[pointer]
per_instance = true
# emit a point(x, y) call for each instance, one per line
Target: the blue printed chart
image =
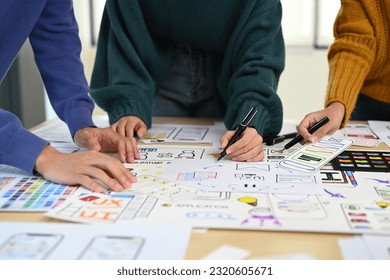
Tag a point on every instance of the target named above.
point(31, 194)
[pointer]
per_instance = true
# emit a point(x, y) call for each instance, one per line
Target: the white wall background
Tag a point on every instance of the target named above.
point(302, 84)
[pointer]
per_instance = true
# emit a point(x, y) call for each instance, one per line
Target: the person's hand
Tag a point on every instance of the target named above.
point(107, 140)
point(130, 126)
point(335, 112)
point(248, 148)
point(84, 168)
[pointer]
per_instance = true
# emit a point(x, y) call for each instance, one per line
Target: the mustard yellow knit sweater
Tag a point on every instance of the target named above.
point(359, 58)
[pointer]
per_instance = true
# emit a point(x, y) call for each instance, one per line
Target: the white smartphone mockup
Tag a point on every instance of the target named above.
point(113, 248)
point(29, 246)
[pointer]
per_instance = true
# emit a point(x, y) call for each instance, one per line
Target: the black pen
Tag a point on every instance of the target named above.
point(243, 125)
point(312, 129)
point(280, 138)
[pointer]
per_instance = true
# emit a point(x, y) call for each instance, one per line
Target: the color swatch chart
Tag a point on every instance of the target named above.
point(374, 161)
point(32, 194)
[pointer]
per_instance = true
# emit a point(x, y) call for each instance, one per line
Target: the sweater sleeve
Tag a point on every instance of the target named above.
point(57, 48)
point(255, 59)
point(52, 30)
point(350, 56)
point(18, 146)
point(128, 64)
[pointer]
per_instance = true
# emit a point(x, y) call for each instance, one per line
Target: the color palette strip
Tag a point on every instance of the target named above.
point(33, 194)
point(373, 161)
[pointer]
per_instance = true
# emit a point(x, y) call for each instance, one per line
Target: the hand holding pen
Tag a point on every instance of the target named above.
point(312, 129)
point(336, 113)
point(239, 132)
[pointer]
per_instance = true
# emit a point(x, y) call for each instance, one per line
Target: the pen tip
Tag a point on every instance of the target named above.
point(220, 157)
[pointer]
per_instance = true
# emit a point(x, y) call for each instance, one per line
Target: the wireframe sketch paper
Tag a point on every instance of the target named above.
point(52, 241)
point(57, 131)
point(176, 133)
point(243, 177)
point(54, 131)
point(358, 131)
point(356, 202)
point(197, 167)
point(236, 195)
point(382, 129)
point(89, 207)
point(361, 134)
point(366, 247)
point(170, 153)
point(313, 156)
point(164, 189)
point(148, 167)
point(160, 133)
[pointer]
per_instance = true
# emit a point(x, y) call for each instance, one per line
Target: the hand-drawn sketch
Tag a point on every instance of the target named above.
point(338, 209)
point(358, 130)
point(312, 156)
point(252, 177)
point(64, 241)
point(29, 246)
point(164, 189)
point(160, 133)
point(168, 153)
point(186, 185)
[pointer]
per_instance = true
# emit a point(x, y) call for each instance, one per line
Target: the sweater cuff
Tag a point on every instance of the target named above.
point(135, 108)
point(346, 77)
point(23, 150)
point(125, 100)
point(78, 118)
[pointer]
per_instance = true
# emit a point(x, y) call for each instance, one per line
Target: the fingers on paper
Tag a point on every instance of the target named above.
point(108, 171)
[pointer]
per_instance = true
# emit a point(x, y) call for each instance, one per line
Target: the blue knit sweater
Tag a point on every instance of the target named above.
point(53, 32)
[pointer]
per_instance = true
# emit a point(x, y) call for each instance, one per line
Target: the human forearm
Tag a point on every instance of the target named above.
point(19, 147)
point(57, 48)
point(258, 61)
point(351, 55)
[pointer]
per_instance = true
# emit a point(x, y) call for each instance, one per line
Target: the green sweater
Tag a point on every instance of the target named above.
point(135, 51)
